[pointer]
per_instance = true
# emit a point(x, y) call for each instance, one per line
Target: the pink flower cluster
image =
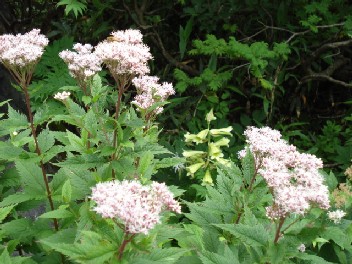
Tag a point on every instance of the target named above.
point(20, 51)
point(82, 63)
point(137, 206)
point(125, 54)
point(293, 177)
point(149, 92)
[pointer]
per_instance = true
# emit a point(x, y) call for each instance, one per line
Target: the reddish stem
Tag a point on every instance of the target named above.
point(125, 241)
point(38, 151)
point(277, 235)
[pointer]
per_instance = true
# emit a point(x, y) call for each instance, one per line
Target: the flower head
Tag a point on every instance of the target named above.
point(137, 206)
point(62, 96)
point(293, 177)
point(149, 92)
point(336, 216)
point(21, 53)
point(22, 50)
point(125, 54)
point(82, 62)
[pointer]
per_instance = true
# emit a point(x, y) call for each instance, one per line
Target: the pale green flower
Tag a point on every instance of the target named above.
point(221, 131)
point(192, 169)
point(222, 142)
point(207, 180)
point(192, 153)
point(210, 116)
point(223, 161)
point(199, 138)
point(214, 151)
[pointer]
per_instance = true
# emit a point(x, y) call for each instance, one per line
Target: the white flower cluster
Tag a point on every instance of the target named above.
point(125, 54)
point(62, 96)
point(137, 206)
point(149, 92)
point(336, 216)
point(20, 51)
point(293, 177)
point(82, 63)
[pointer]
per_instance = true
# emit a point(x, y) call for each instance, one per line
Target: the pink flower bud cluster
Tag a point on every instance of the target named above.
point(137, 206)
point(124, 53)
point(20, 51)
point(149, 92)
point(82, 63)
point(293, 177)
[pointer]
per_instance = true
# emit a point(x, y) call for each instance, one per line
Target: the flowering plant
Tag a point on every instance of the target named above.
point(94, 176)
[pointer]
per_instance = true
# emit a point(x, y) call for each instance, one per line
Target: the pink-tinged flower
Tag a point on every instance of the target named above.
point(149, 92)
point(124, 53)
point(137, 206)
point(336, 216)
point(292, 177)
point(20, 53)
point(82, 63)
point(62, 96)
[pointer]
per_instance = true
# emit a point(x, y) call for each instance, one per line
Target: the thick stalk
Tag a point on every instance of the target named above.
point(125, 241)
point(277, 235)
point(38, 151)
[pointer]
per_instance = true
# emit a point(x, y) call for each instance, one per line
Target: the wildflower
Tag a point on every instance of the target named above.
point(293, 177)
point(125, 56)
point(149, 92)
point(207, 180)
point(82, 62)
point(301, 248)
point(137, 206)
point(20, 53)
point(62, 96)
point(15, 133)
point(210, 116)
point(336, 216)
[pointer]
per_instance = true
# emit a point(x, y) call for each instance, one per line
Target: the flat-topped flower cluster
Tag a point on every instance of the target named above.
point(292, 177)
point(137, 206)
point(123, 53)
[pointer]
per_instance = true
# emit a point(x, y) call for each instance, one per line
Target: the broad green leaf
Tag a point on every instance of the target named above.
point(5, 258)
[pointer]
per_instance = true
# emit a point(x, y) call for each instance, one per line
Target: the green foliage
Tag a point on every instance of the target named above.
point(75, 6)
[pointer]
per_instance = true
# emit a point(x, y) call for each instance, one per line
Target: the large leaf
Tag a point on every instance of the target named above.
point(31, 177)
point(161, 256)
point(255, 236)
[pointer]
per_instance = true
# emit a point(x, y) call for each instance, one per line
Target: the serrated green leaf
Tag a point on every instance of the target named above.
point(31, 177)
point(4, 211)
point(161, 256)
point(255, 236)
point(16, 199)
point(5, 258)
point(59, 213)
point(46, 140)
point(9, 151)
point(66, 192)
